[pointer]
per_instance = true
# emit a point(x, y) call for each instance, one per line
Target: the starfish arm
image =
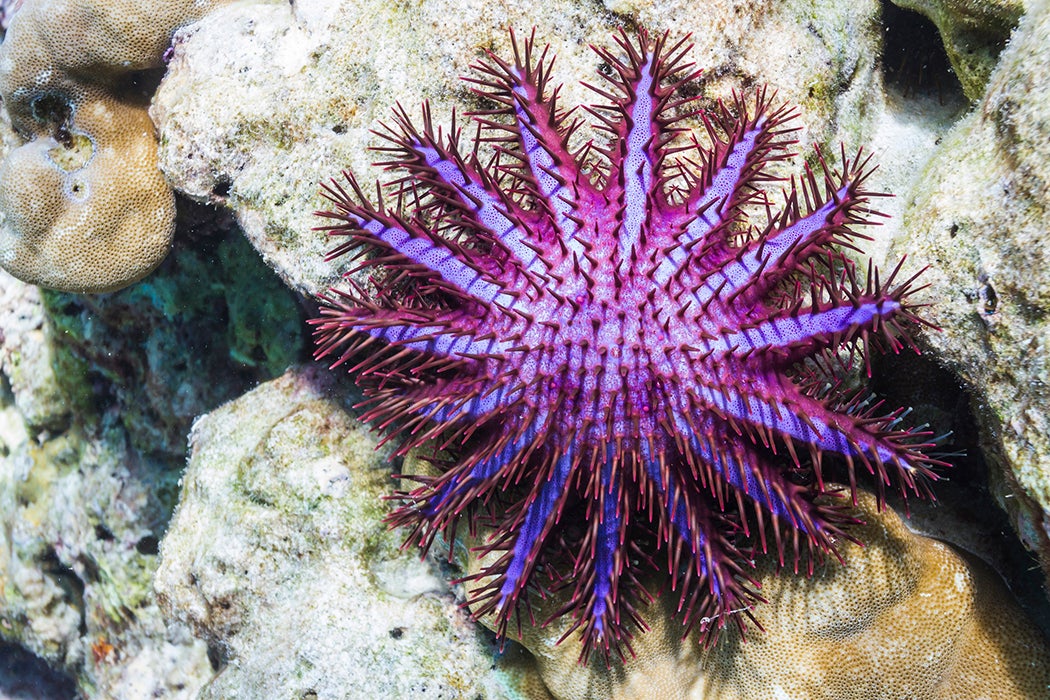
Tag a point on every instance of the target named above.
point(348, 324)
point(540, 133)
point(459, 486)
point(462, 186)
point(712, 586)
point(407, 244)
point(781, 409)
point(732, 166)
point(510, 574)
point(637, 163)
point(640, 117)
point(801, 231)
point(602, 598)
point(809, 329)
point(769, 490)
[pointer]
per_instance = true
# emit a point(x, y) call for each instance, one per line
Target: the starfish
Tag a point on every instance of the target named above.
point(630, 373)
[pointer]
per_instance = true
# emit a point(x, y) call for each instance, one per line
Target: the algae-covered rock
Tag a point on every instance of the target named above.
point(96, 398)
point(263, 101)
point(211, 322)
point(277, 555)
point(980, 220)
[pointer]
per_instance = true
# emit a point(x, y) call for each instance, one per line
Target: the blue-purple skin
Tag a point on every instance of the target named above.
point(620, 361)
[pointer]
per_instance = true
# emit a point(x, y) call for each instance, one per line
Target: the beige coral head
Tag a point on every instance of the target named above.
point(86, 210)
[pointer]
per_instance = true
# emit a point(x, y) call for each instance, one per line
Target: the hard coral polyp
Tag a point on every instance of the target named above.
point(630, 374)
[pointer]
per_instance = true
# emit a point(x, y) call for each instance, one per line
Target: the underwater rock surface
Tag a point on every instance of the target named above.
point(979, 218)
point(96, 398)
point(79, 524)
point(278, 557)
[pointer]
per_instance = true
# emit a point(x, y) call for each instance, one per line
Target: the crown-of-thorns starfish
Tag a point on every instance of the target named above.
point(629, 373)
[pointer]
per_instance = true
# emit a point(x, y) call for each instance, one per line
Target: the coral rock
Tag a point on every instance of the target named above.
point(973, 32)
point(69, 225)
point(277, 555)
point(979, 215)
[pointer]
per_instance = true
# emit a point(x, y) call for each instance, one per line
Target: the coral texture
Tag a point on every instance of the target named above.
point(84, 207)
point(278, 555)
point(622, 360)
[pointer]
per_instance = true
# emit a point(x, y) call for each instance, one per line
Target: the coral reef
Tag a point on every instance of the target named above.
point(79, 530)
point(84, 207)
point(262, 100)
point(979, 216)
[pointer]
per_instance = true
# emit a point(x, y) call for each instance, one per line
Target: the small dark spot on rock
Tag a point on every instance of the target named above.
point(990, 299)
point(102, 532)
point(222, 187)
point(148, 545)
point(952, 230)
point(339, 128)
point(397, 633)
point(216, 657)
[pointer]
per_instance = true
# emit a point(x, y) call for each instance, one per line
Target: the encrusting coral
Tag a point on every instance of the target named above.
point(84, 206)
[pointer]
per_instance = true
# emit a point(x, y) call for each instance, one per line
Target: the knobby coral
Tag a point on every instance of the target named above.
point(83, 206)
point(629, 371)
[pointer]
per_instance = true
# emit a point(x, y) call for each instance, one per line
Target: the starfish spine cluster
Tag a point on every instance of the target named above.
point(630, 372)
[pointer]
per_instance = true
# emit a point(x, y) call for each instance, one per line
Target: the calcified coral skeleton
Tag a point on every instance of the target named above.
point(629, 373)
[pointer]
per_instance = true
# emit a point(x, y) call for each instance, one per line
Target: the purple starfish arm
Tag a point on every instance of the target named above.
point(451, 494)
point(690, 527)
point(486, 205)
point(637, 165)
point(767, 256)
point(606, 548)
point(800, 418)
point(510, 573)
point(409, 243)
point(733, 165)
point(520, 89)
point(803, 328)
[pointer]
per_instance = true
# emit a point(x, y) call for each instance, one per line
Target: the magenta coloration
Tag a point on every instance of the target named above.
point(630, 373)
